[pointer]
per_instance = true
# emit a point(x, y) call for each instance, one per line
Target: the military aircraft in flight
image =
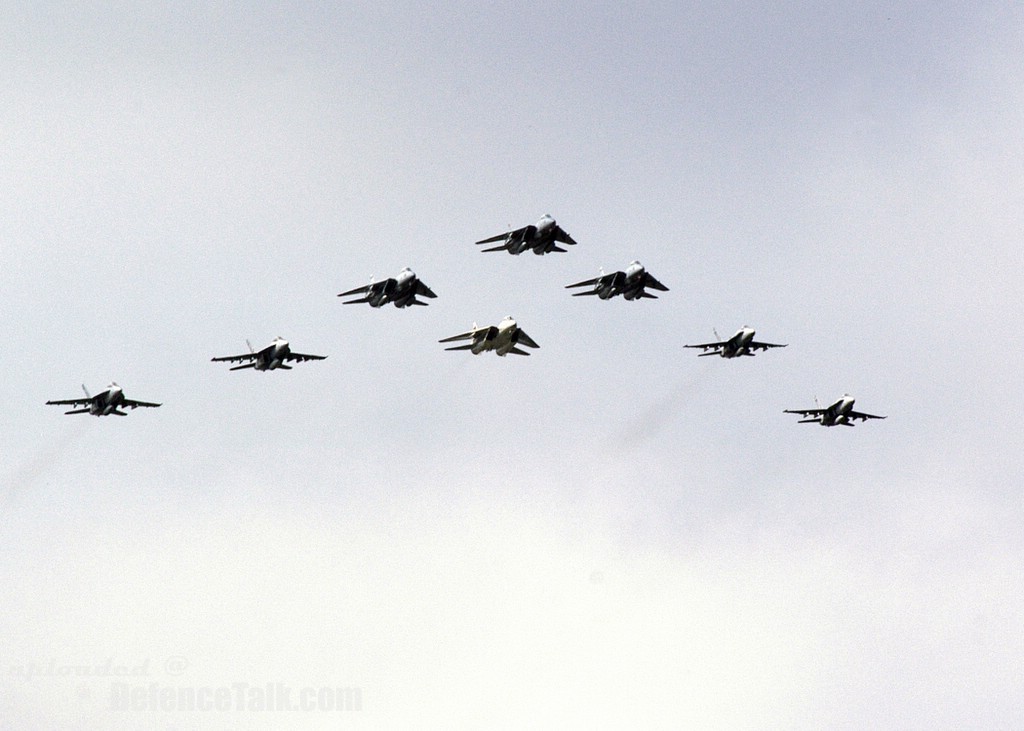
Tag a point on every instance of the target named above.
point(401, 291)
point(742, 343)
point(276, 355)
point(841, 412)
point(111, 401)
point(503, 338)
point(543, 237)
point(630, 284)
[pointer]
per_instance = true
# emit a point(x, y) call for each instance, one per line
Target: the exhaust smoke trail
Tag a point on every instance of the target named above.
point(33, 470)
point(653, 420)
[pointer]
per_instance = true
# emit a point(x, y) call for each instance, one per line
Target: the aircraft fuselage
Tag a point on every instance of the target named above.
point(107, 402)
point(400, 290)
point(738, 344)
point(272, 357)
point(540, 237)
point(403, 289)
point(500, 338)
point(632, 285)
point(838, 413)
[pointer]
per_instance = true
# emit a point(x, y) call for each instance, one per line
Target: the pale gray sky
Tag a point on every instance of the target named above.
point(610, 533)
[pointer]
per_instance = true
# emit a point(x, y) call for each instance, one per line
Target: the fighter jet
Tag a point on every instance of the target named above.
point(542, 238)
point(630, 284)
point(742, 343)
point(275, 355)
point(110, 401)
point(502, 338)
point(401, 291)
point(841, 412)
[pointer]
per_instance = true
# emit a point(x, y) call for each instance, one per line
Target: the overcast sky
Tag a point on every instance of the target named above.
point(610, 533)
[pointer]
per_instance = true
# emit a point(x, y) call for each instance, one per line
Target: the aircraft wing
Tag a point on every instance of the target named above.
point(754, 345)
point(136, 404)
point(423, 290)
point(561, 236)
point(526, 340)
point(653, 283)
point(603, 279)
point(301, 357)
point(707, 346)
point(503, 237)
point(805, 412)
point(863, 416)
point(357, 290)
point(234, 358)
point(70, 402)
point(463, 336)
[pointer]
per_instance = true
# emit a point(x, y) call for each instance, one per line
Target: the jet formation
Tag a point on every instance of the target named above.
point(506, 337)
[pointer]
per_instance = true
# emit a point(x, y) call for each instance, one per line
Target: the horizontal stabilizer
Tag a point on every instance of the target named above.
point(496, 248)
point(585, 294)
point(238, 368)
point(517, 351)
point(356, 302)
point(556, 248)
point(713, 352)
point(461, 347)
point(119, 413)
point(77, 411)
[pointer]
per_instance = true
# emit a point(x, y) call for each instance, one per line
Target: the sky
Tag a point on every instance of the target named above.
point(611, 533)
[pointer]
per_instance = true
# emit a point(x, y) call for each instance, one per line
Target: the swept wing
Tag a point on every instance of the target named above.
point(423, 290)
point(523, 339)
point(653, 283)
point(708, 346)
point(301, 357)
point(133, 404)
point(805, 412)
point(470, 335)
point(235, 358)
point(503, 237)
point(754, 345)
point(357, 290)
point(561, 236)
point(602, 280)
point(862, 416)
point(70, 402)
